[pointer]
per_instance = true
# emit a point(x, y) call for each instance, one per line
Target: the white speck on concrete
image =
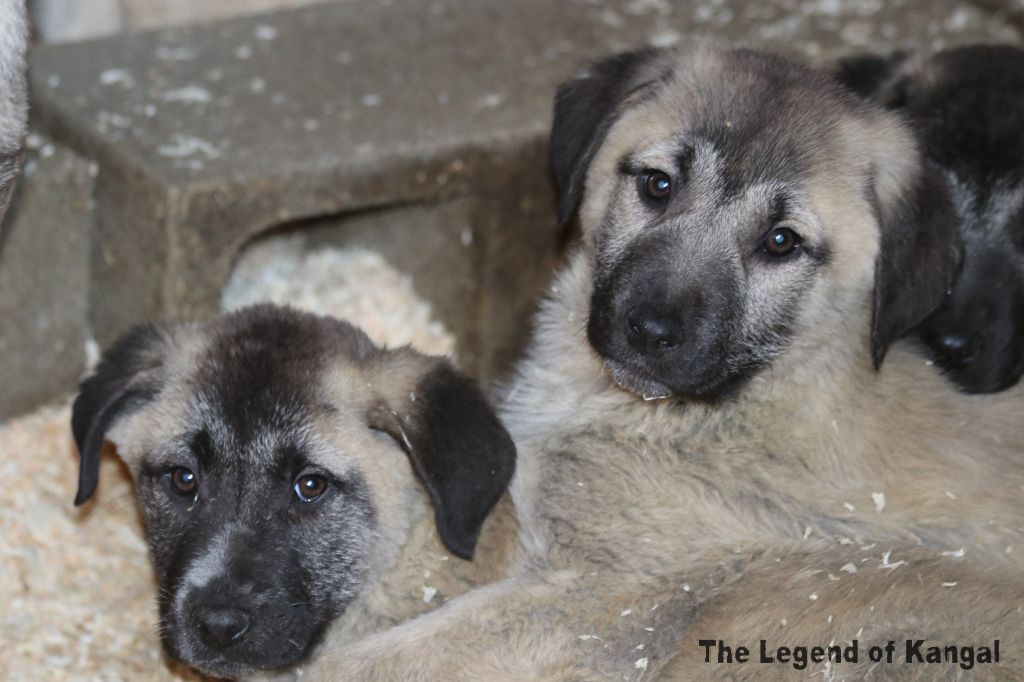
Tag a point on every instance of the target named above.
point(949, 584)
point(491, 100)
point(116, 76)
point(105, 120)
point(189, 93)
point(428, 594)
point(666, 38)
point(371, 100)
point(626, 613)
point(950, 495)
point(53, 80)
point(175, 54)
point(182, 145)
point(641, 7)
point(243, 51)
point(879, 500)
point(265, 32)
point(956, 554)
point(849, 507)
point(258, 85)
point(610, 17)
point(849, 568)
point(641, 663)
point(466, 236)
point(814, 596)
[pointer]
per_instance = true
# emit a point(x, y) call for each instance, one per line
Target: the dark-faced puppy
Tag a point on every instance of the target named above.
point(967, 106)
point(271, 450)
point(713, 241)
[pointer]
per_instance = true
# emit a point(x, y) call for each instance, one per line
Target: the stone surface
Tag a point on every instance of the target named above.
point(44, 249)
point(208, 136)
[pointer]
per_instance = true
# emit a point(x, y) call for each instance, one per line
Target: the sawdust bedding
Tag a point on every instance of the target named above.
point(76, 588)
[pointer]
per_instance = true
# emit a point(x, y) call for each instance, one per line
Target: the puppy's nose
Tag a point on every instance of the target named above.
point(650, 331)
point(219, 626)
point(955, 347)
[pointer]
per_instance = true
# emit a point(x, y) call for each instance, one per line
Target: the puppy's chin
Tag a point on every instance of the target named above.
point(636, 382)
point(641, 382)
point(225, 667)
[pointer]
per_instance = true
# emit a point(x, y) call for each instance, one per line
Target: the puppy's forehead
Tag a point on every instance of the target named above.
point(261, 370)
point(764, 118)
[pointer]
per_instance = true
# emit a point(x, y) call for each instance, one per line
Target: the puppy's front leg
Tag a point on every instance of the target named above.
point(550, 626)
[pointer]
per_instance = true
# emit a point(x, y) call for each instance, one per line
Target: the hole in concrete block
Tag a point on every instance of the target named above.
point(406, 274)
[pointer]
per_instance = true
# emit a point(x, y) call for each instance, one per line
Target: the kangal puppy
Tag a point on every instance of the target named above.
point(276, 456)
point(967, 108)
point(712, 435)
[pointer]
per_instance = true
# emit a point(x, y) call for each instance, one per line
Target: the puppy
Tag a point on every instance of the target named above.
point(13, 96)
point(967, 106)
point(286, 468)
point(715, 429)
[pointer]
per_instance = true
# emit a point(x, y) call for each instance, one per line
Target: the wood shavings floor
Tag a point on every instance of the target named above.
point(76, 585)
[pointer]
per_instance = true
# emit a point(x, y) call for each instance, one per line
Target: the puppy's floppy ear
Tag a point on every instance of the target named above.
point(875, 77)
point(459, 449)
point(585, 108)
point(123, 381)
point(918, 259)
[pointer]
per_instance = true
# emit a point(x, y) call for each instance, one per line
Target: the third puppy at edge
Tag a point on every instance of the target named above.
point(734, 448)
point(967, 107)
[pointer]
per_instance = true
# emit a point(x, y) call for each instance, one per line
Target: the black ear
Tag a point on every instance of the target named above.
point(121, 383)
point(875, 77)
point(459, 449)
point(918, 260)
point(585, 109)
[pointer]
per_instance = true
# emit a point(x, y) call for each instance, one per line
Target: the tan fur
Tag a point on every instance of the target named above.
point(650, 524)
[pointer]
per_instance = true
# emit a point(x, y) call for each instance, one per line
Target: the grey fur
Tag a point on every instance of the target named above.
point(13, 96)
point(816, 496)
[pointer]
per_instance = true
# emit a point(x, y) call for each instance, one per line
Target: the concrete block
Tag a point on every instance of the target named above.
point(44, 277)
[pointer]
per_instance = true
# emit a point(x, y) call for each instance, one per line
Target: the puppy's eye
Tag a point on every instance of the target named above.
point(310, 487)
point(781, 241)
point(655, 186)
point(184, 481)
